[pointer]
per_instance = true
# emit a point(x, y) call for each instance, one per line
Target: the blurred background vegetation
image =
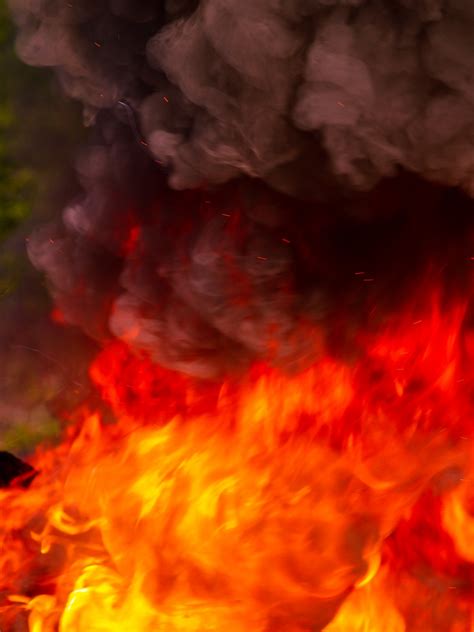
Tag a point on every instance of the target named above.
point(17, 180)
point(40, 130)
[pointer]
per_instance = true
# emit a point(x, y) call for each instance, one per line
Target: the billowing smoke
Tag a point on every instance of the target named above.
point(266, 88)
point(282, 124)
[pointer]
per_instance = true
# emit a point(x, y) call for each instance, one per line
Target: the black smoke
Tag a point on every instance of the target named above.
point(247, 159)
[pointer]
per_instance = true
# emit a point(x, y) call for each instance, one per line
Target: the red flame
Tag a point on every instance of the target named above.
point(338, 499)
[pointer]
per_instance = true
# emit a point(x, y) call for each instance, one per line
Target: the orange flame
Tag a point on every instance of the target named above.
point(338, 499)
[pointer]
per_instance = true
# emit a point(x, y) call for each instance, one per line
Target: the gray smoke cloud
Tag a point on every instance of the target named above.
point(203, 281)
point(200, 112)
point(266, 88)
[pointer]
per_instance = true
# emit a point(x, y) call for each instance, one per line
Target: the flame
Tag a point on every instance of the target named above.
point(458, 515)
point(335, 499)
point(369, 609)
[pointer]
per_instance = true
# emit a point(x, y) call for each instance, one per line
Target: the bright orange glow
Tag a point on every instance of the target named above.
point(458, 515)
point(338, 499)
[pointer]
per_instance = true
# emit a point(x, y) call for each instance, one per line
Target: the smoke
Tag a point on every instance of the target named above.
point(357, 88)
point(208, 280)
point(203, 280)
point(237, 150)
point(44, 364)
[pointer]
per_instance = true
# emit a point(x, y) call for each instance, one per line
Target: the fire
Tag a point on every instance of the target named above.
point(337, 499)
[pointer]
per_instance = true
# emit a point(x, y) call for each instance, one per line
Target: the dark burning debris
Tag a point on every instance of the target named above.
point(13, 470)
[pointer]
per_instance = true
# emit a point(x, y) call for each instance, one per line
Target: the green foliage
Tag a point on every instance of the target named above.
point(17, 182)
point(31, 116)
point(12, 267)
point(39, 132)
point(21, 437)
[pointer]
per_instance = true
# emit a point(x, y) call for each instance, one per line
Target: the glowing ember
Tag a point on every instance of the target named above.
point(339, 499)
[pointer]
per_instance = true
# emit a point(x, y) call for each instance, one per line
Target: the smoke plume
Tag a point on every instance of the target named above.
point(353, 88)
point(304, 132)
